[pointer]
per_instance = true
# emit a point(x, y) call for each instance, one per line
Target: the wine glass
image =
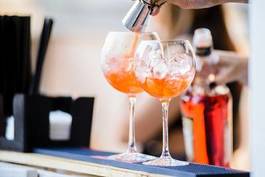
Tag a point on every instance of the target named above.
point(165, 69)
point(118, 64)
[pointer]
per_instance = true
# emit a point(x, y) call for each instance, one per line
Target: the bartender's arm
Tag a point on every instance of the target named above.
point(194, 4)
point(197, 4)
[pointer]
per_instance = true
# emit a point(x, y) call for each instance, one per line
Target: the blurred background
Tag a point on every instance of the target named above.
point(72, 65)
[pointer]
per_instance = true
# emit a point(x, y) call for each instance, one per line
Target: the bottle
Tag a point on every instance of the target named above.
point(207, 109)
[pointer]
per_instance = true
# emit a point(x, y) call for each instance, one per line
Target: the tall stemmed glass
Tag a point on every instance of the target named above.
point(118, 66)
point(165, 70)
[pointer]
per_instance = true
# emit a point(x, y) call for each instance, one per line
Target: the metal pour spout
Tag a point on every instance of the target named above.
point(137, 17)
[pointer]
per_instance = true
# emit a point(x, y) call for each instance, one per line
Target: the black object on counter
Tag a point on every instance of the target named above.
point(15, 59)
point(32, 122)
point(22, 100)
point(44, 41)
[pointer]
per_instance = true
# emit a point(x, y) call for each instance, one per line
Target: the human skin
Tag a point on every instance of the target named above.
point(197, 4)
point(232, 67)
point(194, 4)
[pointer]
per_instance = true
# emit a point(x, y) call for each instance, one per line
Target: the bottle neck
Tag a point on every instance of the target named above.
point(206, 70)
point(203, 57)
point(204, 51)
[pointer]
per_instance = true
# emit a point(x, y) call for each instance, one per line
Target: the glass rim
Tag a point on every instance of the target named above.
point(130, 32)
point(168, 41)
point(174, 40)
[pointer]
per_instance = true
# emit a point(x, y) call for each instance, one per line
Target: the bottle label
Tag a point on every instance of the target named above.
point(188, 137)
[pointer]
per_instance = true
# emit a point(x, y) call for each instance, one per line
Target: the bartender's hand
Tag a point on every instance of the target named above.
point(231, 67)
point(198, 4)
point(195, 4)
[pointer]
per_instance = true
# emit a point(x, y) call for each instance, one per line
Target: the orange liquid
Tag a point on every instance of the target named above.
point(200, 149)
point(123, 79)
point(121, 75)
point(165, 88)
point(210, 117)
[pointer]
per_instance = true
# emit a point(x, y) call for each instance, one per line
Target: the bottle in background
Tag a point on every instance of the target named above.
point(207, 109)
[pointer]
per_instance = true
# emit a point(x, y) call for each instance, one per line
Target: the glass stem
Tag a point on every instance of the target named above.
point(165, 150)
point(131, 143)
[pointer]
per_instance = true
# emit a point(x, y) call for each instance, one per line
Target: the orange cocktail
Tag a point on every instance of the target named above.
point(166, 88)
point(118, 66)
point(122, 75)
point(165, 70)
point(119, 69)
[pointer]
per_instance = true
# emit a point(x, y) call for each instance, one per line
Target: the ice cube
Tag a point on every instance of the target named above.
point(160, 70)
point(142, 70)
point(154, 58)
point(180, 65)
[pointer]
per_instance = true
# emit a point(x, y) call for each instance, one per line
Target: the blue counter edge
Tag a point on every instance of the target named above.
point(192, 170)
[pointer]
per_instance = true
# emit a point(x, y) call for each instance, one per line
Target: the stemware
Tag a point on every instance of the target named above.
point(164, 70)
point(118, 66)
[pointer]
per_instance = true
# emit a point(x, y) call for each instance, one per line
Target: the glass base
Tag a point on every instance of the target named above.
point(166, 161)
point(133, 157)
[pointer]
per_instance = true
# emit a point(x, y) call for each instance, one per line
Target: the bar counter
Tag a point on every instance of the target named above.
point(86, 162)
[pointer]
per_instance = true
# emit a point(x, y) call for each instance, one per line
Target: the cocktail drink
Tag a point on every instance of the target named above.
point(165, 70)
point(118, 66)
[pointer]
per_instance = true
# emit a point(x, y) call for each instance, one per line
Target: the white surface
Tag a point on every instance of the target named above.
point(14, 170)
point(10, 128)
point(8, 171)
point(257, 86)
point(60, 125)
